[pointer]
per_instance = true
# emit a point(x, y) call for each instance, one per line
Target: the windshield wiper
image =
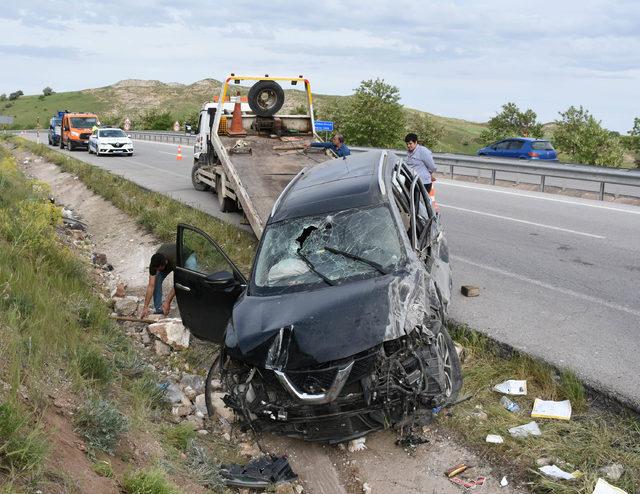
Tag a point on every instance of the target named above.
point(313, 268)
point(378, 267)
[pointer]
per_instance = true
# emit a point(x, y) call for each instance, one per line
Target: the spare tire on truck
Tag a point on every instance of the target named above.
point(266, 98)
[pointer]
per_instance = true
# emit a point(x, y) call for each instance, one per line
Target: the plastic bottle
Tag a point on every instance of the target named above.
point(510, 405)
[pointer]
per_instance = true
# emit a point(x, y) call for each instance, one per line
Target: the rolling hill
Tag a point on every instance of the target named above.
point(132, 98)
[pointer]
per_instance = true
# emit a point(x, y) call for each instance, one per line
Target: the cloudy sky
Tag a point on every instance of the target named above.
point(453, 58)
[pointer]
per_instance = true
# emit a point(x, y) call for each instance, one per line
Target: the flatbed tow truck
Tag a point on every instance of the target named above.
point(249, 172)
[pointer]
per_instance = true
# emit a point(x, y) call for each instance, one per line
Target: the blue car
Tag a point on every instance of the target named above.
point(524, 148)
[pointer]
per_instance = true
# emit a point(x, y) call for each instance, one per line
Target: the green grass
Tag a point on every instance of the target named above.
point(93, 366)
point(179, 436)
point(27, 109)
point(593, 438)
point(103, 468)
point(152, 211)
point(22, 446)
point(147, 482)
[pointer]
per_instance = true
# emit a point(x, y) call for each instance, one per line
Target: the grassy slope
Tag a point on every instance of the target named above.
point(133, 98)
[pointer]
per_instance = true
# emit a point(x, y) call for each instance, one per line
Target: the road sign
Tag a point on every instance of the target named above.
point(6, 120)
point(127, 124)
point(176, 126)
point(323, 126)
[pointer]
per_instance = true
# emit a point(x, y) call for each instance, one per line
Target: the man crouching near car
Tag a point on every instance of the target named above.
point(161, 264)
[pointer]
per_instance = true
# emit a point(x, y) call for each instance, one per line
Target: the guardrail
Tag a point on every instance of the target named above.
point(544, 170)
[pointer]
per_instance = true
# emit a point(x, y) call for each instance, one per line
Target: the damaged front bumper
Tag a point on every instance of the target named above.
point(395, 383)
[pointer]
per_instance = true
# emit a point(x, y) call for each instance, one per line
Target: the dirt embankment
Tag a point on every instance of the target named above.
point(383, 467)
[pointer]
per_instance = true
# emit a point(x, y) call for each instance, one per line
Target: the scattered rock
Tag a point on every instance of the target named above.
point(126, 306)
point(357, 445)
point(197, 422)
point(194, 382)
point(226, 436)
point(120, 290)
point(541, 462)
point(203, 432)
point(181, 410)
point(99, 259)
point(173, 393)
point(216, 385)
point(162, 349)
point(145, 338)
point(172, 332)
point(299, 489)
point(613, 471)
point(285, 489)
point(201, 404)
point(219, 407)
point(189, 392)
point(459, 351)
point(366, 488)
point(248, 449)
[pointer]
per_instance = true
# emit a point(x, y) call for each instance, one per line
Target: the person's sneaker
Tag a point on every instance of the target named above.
point(158, 311)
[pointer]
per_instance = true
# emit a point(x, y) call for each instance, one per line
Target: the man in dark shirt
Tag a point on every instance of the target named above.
point(162, 263)
point(336, 145)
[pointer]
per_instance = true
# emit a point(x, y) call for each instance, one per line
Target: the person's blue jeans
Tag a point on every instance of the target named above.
point(157, 292)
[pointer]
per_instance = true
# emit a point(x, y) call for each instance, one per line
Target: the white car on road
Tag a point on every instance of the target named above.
point(110, 140)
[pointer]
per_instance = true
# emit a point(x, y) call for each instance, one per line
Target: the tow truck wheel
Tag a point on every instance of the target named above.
point(266, 98)
point(197, 184)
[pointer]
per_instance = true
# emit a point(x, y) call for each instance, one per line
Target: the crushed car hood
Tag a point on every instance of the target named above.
point(327, 324)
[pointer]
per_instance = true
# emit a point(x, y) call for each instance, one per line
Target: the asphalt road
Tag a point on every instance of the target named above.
point(559, 276)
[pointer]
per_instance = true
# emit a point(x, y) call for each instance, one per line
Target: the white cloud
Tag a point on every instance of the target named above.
point(452, 57)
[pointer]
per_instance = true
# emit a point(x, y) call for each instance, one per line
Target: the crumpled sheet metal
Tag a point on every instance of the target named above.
point(259, 473)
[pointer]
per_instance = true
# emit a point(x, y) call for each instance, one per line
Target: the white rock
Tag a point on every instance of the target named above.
point(173, 393)
point(126, 306)
point(504, 482)
point(162, 349)
point(201, 405)
point(193, 381)
point(172, 332)
point(197, 422)
point(613, 471)
point(366, 488)
point(191, 394)
point(203, 432)
point(220, 408)
point(181, 410)
point(357, 445)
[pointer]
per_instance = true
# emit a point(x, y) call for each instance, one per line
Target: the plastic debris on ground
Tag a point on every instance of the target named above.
point(551, 409)
point(410, 441)
point(468, 484)
point(511, 387)
point(357, 445)
point(530, 429)
point(455, 470)
point(509, 405)
point(604, 487)
point(556, 472)
point(259, 473)
point(504, 482)
point(494, 438)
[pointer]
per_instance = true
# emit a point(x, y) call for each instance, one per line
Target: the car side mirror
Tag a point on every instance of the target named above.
point(221, 278)
point(129, 136)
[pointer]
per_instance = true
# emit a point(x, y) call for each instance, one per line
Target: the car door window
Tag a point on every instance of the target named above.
point(515, 145)
point(501, 146)
point(198, 254)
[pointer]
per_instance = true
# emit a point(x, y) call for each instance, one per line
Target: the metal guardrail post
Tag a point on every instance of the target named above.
point(542, 177)
point(601, 195)
point(451, 172)
point(493, 177)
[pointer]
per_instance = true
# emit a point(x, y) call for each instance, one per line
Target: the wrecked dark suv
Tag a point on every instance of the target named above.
point(340, 329)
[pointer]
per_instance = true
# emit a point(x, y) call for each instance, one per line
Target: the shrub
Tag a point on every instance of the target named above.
point(15, 95)
point(101, 424)
point(511, 122)
point(93, 366)
point(179, 436)
point(156, 120)
point(47, 91)
point(147, 482)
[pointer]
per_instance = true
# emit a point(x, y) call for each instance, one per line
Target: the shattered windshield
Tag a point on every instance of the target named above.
point(328, 249)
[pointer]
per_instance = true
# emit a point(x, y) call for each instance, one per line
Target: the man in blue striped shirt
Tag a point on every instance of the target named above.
point(336, 145)
point(420, 160)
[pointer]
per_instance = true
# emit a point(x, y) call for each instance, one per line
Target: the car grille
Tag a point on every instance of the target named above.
point(117, 144)
point(85, 135)
point(320, 380)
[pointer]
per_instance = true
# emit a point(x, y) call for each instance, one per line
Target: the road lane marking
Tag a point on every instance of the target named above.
point(171, 154)
point(542, 198)
point(129, 160)
point(508, 218)
point(542, 284)
point(174, 144)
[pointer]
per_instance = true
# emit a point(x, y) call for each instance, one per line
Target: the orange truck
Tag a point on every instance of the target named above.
point(76, 129)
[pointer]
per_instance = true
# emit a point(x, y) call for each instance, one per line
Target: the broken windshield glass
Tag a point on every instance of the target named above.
point(329, 248)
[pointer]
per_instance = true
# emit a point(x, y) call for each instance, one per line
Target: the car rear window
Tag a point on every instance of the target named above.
point(545, 145)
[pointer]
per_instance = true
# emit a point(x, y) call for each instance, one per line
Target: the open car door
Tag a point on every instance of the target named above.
point(207, 284)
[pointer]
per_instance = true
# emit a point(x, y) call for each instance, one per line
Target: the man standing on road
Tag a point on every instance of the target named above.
point(336, 145)
point(420, 160)
point(162, 263)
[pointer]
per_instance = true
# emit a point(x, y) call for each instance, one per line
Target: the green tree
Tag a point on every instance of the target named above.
point(156, 120)
point(511, 122)
point(373, 116)
point(582, 139)
point(424, 126)
point(3, 97)
point(15, 95)
point(47, 91)
point(633, 140)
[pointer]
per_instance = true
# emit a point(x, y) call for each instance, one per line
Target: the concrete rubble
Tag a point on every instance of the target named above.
point(172, 332)
point(126, 306)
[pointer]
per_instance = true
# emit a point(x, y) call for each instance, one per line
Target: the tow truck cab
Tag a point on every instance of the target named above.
point(76, 130)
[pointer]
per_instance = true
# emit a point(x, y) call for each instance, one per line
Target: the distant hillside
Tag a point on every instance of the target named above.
point(132, 98)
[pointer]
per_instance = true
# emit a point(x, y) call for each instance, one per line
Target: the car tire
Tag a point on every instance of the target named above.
point(197, 184)
point(266, 98)
point(71, 146)
point(227, 205)
point(451, 363)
